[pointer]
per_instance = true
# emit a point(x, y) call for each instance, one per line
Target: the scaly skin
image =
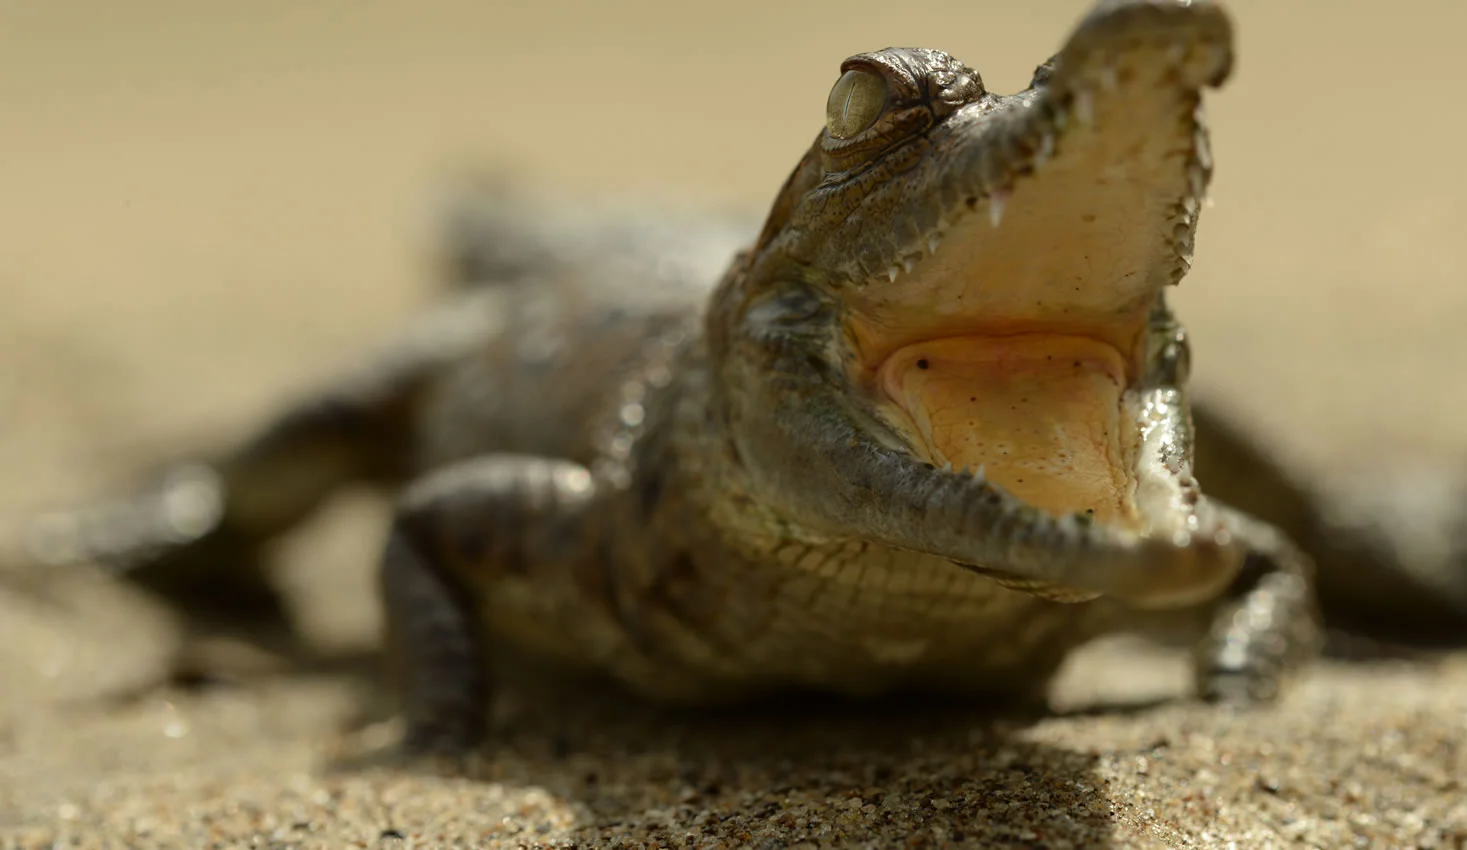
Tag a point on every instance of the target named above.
point(713, 494)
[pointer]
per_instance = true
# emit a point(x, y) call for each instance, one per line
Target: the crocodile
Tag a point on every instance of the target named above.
point(927, 428)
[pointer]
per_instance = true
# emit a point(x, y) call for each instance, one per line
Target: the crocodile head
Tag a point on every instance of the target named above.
point(983, 274)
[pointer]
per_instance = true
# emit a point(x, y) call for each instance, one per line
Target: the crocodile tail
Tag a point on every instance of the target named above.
point(1391, 546)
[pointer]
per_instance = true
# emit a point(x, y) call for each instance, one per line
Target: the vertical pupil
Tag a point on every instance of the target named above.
point(854, 103)
point(845, 112)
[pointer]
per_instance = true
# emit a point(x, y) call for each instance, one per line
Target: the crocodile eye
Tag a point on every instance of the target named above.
point(855, 103)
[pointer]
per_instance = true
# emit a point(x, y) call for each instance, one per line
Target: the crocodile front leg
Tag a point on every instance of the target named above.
point(506, 529)
point(1267, 626)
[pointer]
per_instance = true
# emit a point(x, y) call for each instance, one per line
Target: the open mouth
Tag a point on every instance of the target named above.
point(1014, 339)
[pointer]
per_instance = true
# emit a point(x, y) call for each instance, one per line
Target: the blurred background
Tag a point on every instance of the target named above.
point(203, 206)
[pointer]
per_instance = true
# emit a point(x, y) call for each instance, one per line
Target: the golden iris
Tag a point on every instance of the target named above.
point(855, 103)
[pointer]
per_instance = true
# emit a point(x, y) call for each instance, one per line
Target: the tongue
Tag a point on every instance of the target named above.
point(1041, 414)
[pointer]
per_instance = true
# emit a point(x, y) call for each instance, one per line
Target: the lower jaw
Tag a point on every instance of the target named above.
point(1042, 414)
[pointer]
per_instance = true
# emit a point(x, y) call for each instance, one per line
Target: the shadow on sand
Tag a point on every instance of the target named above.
point(803, 769)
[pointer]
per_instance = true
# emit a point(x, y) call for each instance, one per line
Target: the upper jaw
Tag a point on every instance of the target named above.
point(1068, 206)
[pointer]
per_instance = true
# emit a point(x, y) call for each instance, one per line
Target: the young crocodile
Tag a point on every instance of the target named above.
point(930, 430)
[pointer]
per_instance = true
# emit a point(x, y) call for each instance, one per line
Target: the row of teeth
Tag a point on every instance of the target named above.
point(996, 201)
point(977, 474)
point(1083, 106)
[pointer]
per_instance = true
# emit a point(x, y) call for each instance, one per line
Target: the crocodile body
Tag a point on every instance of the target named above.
point(715, 467)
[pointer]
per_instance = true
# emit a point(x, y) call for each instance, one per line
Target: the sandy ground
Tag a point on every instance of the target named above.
point(204, 210)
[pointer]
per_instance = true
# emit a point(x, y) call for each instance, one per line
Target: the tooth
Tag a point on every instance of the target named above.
point(932, 243)
point(979, 473)
point(892, 273)
point(1046, 149)
point(1196, 181)
point(1108, 78)
point(1183, 245)
point(908, 263)
point(1084, 107)
point(1190, 205)
point(1203, 149)
point(947, 466)
point(995, 206)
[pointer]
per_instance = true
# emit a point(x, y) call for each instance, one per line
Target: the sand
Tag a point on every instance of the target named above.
point(206, 210)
